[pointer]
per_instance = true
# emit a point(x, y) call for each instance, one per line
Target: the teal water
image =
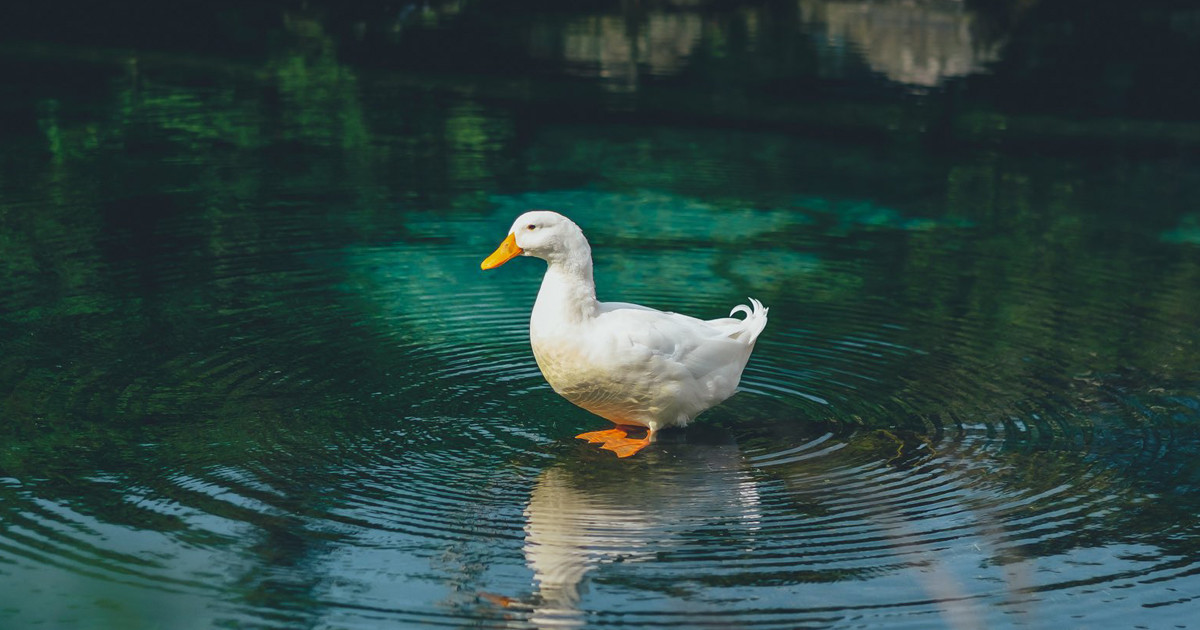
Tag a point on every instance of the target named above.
point(252, 376)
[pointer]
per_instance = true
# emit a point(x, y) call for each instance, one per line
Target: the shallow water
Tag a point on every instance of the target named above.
point(252, 376)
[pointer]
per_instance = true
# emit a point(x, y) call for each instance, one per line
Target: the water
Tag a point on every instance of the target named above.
point(252, 376)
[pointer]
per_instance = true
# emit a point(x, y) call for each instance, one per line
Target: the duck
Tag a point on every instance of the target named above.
point(642, 369)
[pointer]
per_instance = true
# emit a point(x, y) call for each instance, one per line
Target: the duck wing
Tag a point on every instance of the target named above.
point(700, 361)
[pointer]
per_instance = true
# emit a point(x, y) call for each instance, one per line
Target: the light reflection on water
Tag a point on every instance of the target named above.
point(917, 44)
point(252, 375)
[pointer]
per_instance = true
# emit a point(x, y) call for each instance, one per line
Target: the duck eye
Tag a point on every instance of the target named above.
point(531, 227)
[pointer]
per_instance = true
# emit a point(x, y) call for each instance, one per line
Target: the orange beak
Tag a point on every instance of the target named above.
point(506, 252)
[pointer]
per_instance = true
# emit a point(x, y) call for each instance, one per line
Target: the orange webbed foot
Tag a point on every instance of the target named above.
point(626, 447)
point(618, 441)
point(604, 436)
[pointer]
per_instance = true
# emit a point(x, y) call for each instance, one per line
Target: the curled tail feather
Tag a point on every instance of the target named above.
point(755, 320)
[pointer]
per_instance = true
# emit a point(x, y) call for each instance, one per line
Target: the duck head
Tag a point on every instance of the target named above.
point(542, 234)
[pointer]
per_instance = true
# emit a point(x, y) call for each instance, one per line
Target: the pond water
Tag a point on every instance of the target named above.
point(252, 376)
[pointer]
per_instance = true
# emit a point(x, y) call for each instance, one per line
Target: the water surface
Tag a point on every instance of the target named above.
point(252, 376)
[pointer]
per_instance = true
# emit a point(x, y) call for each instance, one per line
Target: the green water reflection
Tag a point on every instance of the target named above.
point(250, 374)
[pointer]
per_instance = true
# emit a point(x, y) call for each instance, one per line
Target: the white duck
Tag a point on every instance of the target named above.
point(631, 364)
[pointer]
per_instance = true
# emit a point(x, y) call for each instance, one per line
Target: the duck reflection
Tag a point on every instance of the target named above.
point(584, 513)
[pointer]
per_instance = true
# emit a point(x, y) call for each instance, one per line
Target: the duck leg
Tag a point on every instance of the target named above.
point(618, 441)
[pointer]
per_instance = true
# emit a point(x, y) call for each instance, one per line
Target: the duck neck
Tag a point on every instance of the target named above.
point(568, 293)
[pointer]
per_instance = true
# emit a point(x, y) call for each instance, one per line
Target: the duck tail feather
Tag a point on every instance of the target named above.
point(755, 320)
